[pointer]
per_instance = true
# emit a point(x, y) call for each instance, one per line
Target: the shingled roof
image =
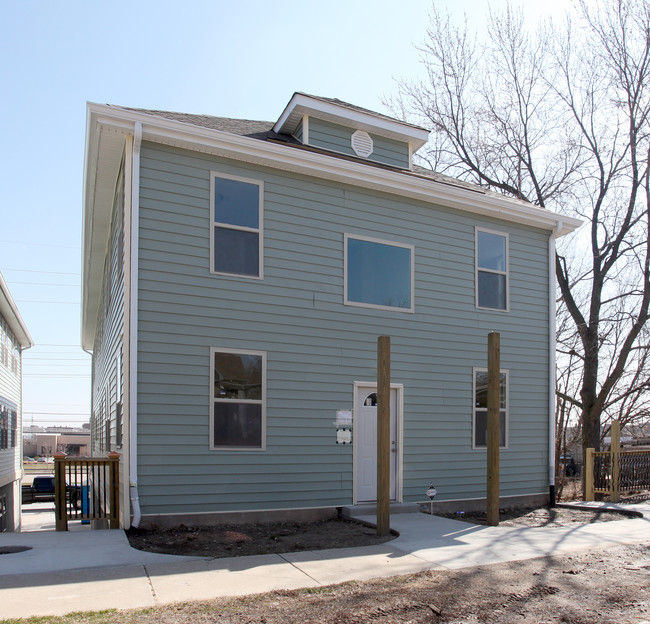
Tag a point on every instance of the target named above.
point(263, 131)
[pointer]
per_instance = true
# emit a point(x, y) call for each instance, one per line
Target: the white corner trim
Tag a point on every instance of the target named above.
point(132, 347)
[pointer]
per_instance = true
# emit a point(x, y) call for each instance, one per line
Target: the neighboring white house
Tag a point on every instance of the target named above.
point(14, 337)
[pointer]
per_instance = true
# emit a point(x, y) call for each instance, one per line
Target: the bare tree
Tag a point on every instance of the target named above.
point(560, 118)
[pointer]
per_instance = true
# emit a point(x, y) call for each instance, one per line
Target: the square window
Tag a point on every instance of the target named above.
point(236, 230)
point(378, 274)
point(238, 400)
point(480, 408)
point(491, 270)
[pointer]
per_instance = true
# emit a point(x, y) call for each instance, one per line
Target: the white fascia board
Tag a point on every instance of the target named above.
point(9, 311)
point(301, 104)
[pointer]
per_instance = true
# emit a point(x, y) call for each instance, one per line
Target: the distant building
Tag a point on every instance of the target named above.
point(14, 337)
point(45, 441)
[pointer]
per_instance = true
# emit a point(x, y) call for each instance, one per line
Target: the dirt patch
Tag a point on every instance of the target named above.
point(264, 539)
point(540, 517)
point(255, 539)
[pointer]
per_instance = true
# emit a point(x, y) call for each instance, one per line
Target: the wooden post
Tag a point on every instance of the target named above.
point(589, 474)
point(614, 455)
point(114, 458)
point(493, 426)
point(60, 509)
point(383, 435)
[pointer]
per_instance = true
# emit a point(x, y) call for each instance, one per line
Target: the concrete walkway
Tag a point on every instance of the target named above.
point(92, 570)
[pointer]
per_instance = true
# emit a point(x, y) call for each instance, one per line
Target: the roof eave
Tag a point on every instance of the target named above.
point(103, 153)
point(9, 311)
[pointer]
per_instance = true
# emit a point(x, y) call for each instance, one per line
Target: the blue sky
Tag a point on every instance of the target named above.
point(241, 61)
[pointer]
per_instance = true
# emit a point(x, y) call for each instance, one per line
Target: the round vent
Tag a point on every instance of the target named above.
point(362, 144)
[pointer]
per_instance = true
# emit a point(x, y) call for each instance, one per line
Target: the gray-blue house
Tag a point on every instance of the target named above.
point(236, 275)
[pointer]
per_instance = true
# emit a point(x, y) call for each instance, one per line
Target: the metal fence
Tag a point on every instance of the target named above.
point(87, 489)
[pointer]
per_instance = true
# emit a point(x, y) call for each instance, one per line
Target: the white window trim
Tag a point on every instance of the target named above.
point(477, 269)
point(262, 402)
point(259, 230)
point(482, 369)
point(358, 304)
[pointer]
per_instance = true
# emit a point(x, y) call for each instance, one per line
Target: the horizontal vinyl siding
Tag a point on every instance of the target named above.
point(317, 347)
point(10, 389)
point(106, 434)
point(338, 138)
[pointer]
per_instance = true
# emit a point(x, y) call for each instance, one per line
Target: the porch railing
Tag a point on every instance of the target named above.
point(86, 489)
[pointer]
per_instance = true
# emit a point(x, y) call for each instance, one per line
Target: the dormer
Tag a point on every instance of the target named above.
point(336, 126)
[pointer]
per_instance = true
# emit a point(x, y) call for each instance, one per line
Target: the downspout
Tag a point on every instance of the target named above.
point(552, 361)
point(133, 331)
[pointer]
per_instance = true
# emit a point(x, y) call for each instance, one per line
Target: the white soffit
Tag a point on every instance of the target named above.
point(302, 104)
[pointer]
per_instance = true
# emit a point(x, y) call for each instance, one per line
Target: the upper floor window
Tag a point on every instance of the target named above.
point(236, 235)
point(238, 402)
point(492, 270)
point(8, 424)
point(378, 274)
point(480, 408)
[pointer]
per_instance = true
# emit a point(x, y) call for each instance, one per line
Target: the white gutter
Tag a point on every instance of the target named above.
point(552, 359)
point(133, 326)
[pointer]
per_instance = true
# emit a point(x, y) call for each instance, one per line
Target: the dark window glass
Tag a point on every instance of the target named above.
point(237, 424)
point(237, 376)
point(480, 429)
point(492, 265)
point(236, 203)
point(379, 274)
point(492, 290)
point(236, 251)
point(491, 251)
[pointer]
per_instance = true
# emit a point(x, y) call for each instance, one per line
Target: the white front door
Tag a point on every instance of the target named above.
point(365, 431)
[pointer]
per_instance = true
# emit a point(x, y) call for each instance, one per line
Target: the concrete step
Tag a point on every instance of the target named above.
point(369, 509)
